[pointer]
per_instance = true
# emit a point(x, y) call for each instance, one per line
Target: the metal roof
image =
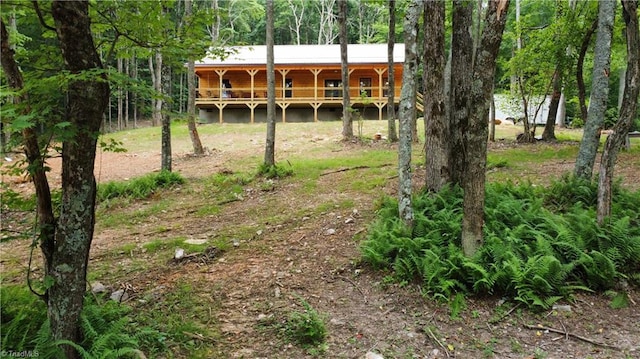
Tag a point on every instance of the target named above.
point(308, 54)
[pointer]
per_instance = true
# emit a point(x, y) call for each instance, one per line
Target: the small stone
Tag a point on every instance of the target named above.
point(336, 322)
point(236, 243)
point(119, 295)
point(98, 287)
point(330, 232)
point(195, 241)
point(277, 292)
point(349, 220)
point(305, 218)
point(179, 253)
point(562, 308)
point(259, 232)
point(372, 355)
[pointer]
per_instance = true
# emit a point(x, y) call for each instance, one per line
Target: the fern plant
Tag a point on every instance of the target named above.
point(541, 244)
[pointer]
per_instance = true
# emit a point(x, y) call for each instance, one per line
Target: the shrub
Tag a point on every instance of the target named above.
point(541, 244)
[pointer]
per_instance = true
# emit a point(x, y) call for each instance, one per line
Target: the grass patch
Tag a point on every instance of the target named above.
point(139, 188)
point(184, 315)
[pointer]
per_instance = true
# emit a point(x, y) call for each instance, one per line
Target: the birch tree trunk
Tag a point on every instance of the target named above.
point(391, 92)
point(628, 110)
point(436, 124)
point(407, 111)
point(347, 123)
point(599, 91)
point(269, 152)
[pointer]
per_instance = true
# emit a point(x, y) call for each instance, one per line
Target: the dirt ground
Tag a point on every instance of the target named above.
point(311, 255)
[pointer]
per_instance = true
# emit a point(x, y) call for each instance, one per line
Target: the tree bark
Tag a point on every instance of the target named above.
point(549, 133)
point(407, 111)
point(476, 135)
point(579, 69)
point(391, 93)
point(461, 62)
point(35, 158)
point(87, 101)
point(198, 150)
point(347, 123)
point(166, 118)
point(627, 111)
point(436, 124)
point(599, 91)
point(269, 152)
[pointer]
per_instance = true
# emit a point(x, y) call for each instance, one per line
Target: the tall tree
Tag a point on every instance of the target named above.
point(475, 137)
point(65, 241)
point(436, 124)
point(628, 110)
point(461, 62)
point(347, 123)
point(198, 150)
point(599, 91)
point(391, 82)
point(269, 152)
point(407, 111)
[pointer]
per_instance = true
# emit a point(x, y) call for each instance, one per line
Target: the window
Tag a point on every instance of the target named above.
point(333, 88)
point(288, 85)
point(385, 87)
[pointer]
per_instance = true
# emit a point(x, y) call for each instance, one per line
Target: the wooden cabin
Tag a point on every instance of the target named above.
point(308, 83)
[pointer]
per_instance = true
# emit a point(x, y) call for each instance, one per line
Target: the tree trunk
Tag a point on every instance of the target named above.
point(347, 123)
point(36, 160)
point(269, 152)
point(407, 111)
point(492, 118)
point(599, 91)
point(166, 117)
point(579, 69)
point(627, 111)
point(86, 102)
point(476, 136)
point(549, 133)
point(191, 98)
point(436, 125)
point(391, 93)
point(461, 76)
point(156, 79)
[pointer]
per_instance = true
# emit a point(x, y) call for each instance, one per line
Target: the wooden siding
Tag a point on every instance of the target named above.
point(308, 86)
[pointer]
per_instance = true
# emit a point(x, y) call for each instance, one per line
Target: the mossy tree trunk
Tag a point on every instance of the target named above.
point(461, 76)
point(599, 91)
point(86, 102)
point(407, 111)
point(436, 124)
point(628, 111)
point(475, 138)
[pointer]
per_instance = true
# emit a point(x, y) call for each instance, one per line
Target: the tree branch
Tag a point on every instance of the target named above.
point(40, 17)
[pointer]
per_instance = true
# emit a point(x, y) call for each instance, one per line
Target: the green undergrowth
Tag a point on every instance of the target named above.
point(138, 188)
point(108, 329)
point(541, 244)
